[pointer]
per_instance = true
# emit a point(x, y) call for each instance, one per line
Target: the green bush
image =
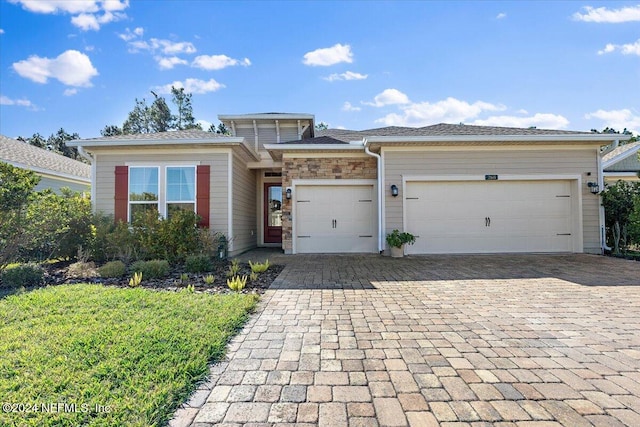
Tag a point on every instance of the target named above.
point(154, 269)
point(22, 275)
point(112, 269)
point(198, 263)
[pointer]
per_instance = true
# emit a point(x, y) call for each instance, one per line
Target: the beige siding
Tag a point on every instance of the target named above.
point(288, 134)
point(105, 178)
point(509, 162)
point(244, 207)
point(56, 184)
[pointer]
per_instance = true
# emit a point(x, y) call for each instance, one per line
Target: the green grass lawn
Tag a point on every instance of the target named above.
point(137, 353)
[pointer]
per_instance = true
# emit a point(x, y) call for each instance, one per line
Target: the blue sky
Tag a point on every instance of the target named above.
point(80, 64)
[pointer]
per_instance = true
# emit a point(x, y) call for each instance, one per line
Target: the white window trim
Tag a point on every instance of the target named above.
point(162, 184)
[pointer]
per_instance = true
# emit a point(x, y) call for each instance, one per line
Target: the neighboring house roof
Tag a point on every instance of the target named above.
point(178, 135)
point(622, 153)
point(27, 156)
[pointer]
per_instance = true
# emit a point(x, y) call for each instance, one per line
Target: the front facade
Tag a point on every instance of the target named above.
point(276, 181)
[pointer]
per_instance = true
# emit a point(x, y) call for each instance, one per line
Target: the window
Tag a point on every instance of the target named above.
point(143, 190)
point(181, 189)
point(165, 190)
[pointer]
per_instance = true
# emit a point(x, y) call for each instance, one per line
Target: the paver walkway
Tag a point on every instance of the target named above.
point(530, 340)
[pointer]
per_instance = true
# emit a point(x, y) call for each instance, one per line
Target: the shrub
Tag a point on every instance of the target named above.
point(22, 275)
point(396, 239)
point(154, 269)
point(237, 283)
point(198, 263)
point(258, 267)
point(619, 205)
point(135, 280)
point(82, 269)
point(112, 269)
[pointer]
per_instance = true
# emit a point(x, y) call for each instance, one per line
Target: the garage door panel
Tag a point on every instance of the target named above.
point(335, 219)
point(525, 216)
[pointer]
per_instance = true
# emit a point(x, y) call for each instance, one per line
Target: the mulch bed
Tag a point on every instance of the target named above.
point(57, 274)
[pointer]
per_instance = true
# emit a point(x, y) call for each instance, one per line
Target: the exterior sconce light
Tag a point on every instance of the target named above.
point(288, 193)
point(593, 187)
point(394, 190)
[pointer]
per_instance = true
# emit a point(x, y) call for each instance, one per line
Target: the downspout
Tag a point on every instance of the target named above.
point(601, 211)
point(380, 191)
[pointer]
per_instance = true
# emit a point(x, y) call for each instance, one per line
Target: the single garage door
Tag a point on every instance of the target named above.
point(335, 218)
point(490, 216)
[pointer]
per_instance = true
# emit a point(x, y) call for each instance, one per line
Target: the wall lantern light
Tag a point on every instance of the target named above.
point(593, 187)
point(394, 190)
point(288, 193)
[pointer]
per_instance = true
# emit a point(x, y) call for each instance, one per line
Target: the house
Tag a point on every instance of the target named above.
point(55, 171)
point(622, 163)
point(276, 181)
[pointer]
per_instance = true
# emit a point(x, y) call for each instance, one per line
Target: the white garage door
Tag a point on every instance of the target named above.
point(335, 218)
point(490, 216)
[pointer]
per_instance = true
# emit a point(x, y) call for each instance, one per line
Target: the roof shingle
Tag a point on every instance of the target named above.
point(14, 151)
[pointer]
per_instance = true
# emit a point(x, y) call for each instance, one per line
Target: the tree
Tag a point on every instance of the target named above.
point(626, 132)
point(58, 142)
point(160, 115)
point(322, 126)
point(111, 130)
point(619, 204)
point(138, 120)
point(16, 192)
point(221, 129)
point(184, 119)
point(36, 140)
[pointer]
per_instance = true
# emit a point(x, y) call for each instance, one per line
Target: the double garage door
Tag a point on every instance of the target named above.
point(335, 219)
point(490, 216)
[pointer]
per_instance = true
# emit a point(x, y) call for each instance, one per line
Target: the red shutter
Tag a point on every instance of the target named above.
point(121, 193)
point(202, 195)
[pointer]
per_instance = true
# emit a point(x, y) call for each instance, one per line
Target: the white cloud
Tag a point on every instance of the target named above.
point(388, 97)
point(450, 110)
point(86, 13)
point(349, 75)
point(539, 120)
point(167, 47)
point(70, 92)
point(348, 107)
point(501, 15)
point(205, 124)
point(5, 100)
point(611, 16)
point(625, 49)
point(1, 31)
point(218, 62)
point(195, 86)
point(329, 55)
point(72, 68)
point(167, 63)
point(129, 35)
point(617, 119)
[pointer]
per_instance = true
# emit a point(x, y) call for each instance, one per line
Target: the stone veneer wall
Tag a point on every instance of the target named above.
point(320, 168)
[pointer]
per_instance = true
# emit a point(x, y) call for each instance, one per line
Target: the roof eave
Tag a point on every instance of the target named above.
point(141, 142)
point(585, 138)
point(621, 156)
point(280, 116)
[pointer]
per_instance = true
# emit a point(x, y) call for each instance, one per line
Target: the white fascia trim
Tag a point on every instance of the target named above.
point(230, 202)
point(505, 177)
point(630, 174)
point(621, 156)
point(290, 116)
point(313, 147)
point(599, 138)
point(51, 173)
point(137, 142)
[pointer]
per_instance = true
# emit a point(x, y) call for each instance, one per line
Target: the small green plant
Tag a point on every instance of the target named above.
point(253, 276)
point(237, 283)
point(259, 267)
point(112, 269)
point(190, 289)
point(136, 280)
point(396, 239)
point(234, 268)
point(22, 275)
point(198, 263)
point(154, 269)
point(184, 277)
point(209, 279)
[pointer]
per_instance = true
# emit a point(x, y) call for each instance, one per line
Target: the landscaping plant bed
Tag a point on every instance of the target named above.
point(58, 274)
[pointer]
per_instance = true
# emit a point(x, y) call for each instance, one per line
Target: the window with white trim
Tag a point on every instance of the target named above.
point(165, 189)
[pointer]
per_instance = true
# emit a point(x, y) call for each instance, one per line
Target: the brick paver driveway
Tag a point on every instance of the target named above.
point(530, 340)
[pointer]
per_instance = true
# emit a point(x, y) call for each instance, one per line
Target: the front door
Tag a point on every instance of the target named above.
point(273, 213)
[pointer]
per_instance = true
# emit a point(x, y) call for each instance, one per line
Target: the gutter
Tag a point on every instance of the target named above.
point(380, 191)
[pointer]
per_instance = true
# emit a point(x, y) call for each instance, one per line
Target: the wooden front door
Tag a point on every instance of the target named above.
point(273, 213)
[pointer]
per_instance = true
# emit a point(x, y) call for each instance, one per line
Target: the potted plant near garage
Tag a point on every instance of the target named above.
point(396, 241)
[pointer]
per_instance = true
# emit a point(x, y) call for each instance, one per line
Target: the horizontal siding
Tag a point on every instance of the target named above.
point(288, 134)
point(56, 185)
point(631, 163)
point(578, 162)
point(244, 207)
point(105, 179)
